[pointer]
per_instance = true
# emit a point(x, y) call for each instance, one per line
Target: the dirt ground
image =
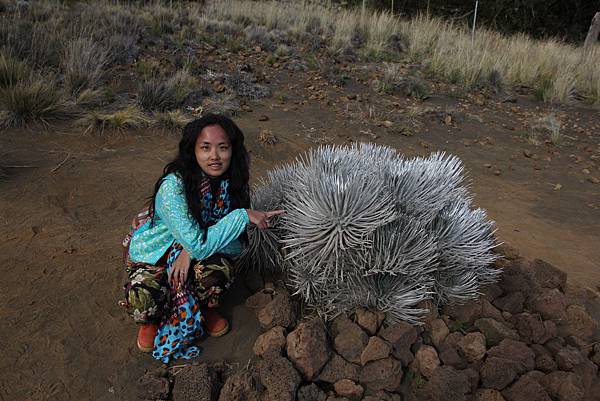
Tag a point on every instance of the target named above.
point(67, 200)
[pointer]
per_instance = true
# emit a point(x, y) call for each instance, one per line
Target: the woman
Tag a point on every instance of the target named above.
point(179, 254)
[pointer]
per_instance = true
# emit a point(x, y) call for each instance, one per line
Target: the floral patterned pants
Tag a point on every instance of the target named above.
point(148, 293)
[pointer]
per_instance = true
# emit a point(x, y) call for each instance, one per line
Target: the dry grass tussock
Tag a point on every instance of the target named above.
point(130, 117)
point(34, 99)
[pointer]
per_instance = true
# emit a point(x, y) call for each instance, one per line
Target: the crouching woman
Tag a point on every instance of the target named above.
point(179, 255)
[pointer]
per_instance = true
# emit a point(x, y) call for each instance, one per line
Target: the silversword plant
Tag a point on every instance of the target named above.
point(365, 226)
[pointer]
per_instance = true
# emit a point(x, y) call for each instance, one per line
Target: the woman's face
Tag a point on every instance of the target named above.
point(213, 151)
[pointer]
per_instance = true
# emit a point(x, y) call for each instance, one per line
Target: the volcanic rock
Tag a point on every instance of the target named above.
point(279, 377)
point(426, 360)
point(311, 392)
point(196, 383)
point(526, 389)
point(447, 384)
point(531, 328)
point(383, 374)
point(369, 320)
point(578, 323)
point(497, 373)
point(270, 343)
point(376, 349)
point(563, 386)
point(279, 312)
point(472, 346)
point(153, 387)
point(568, 357)
point(488, 394)
point(402, 336)
point(549, 276)
point(550, 303)
point(439, 331)
point(512, 302)
point(515, 351)
point(349, 340)
point(495, 331)
point(337, 368)
point(241, 386)
point(349, 389)
point(307, 348)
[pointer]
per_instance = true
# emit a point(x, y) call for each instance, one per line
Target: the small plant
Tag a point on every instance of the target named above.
point(130, 117)
point(83, 64)
point(158, 94)
point(458, 325)
point(496, 81)
point(172, 120)
point(89, 98)
point(261, 36)
point(271, 59)
point(224, 103)
point(395, 82)
point(548, 126)
point(32, 100)
point(283, 51)
point(282, 97)
point(313, 62)
point(415, 378)
point(12, 71)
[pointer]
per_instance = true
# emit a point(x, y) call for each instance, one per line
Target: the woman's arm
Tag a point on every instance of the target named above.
point(171, 207)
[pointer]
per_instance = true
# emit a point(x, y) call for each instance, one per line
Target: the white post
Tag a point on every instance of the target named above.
point(474, 21)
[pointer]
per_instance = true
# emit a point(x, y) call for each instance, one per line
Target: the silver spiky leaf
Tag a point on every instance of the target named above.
point(366, 227)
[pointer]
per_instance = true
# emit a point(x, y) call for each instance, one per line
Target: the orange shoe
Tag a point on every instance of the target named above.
point(145, 338)
point(215, 324)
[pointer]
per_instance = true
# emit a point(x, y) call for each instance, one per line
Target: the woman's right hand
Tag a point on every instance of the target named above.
point(261, 219)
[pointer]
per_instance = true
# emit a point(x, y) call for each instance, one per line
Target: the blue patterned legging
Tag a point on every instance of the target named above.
point(150, 299)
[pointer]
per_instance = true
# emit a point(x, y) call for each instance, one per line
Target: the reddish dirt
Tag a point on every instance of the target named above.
point(68, 198)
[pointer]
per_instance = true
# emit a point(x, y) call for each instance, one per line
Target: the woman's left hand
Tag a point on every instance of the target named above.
point(179, 270)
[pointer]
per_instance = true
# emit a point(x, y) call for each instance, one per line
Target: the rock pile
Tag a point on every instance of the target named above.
point(528, 338)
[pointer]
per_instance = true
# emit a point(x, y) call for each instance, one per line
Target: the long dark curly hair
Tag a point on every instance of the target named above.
point(186, 166)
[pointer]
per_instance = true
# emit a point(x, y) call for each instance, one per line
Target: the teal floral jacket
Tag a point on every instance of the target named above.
point(172, 223)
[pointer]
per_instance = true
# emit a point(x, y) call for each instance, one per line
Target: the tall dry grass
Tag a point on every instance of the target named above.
point(556, 71)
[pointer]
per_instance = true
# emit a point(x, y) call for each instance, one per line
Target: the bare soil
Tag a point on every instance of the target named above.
point(67, 201)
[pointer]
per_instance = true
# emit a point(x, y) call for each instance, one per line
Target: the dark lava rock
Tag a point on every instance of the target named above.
point(549, 276)
point(196, 383)
point(337, 368)
point(349, 339)
point(531, 328)
point(515, 351)
point(512, 302)
point(402, 336)
point(495, 331)
point(153, 387)
point(384, 374)
point(550, 303)
point(564, 386)
point(497, 373)
point(526, 389)
point(241, 386)
point(447, 384)
point(279, 377)
point(311, 392)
